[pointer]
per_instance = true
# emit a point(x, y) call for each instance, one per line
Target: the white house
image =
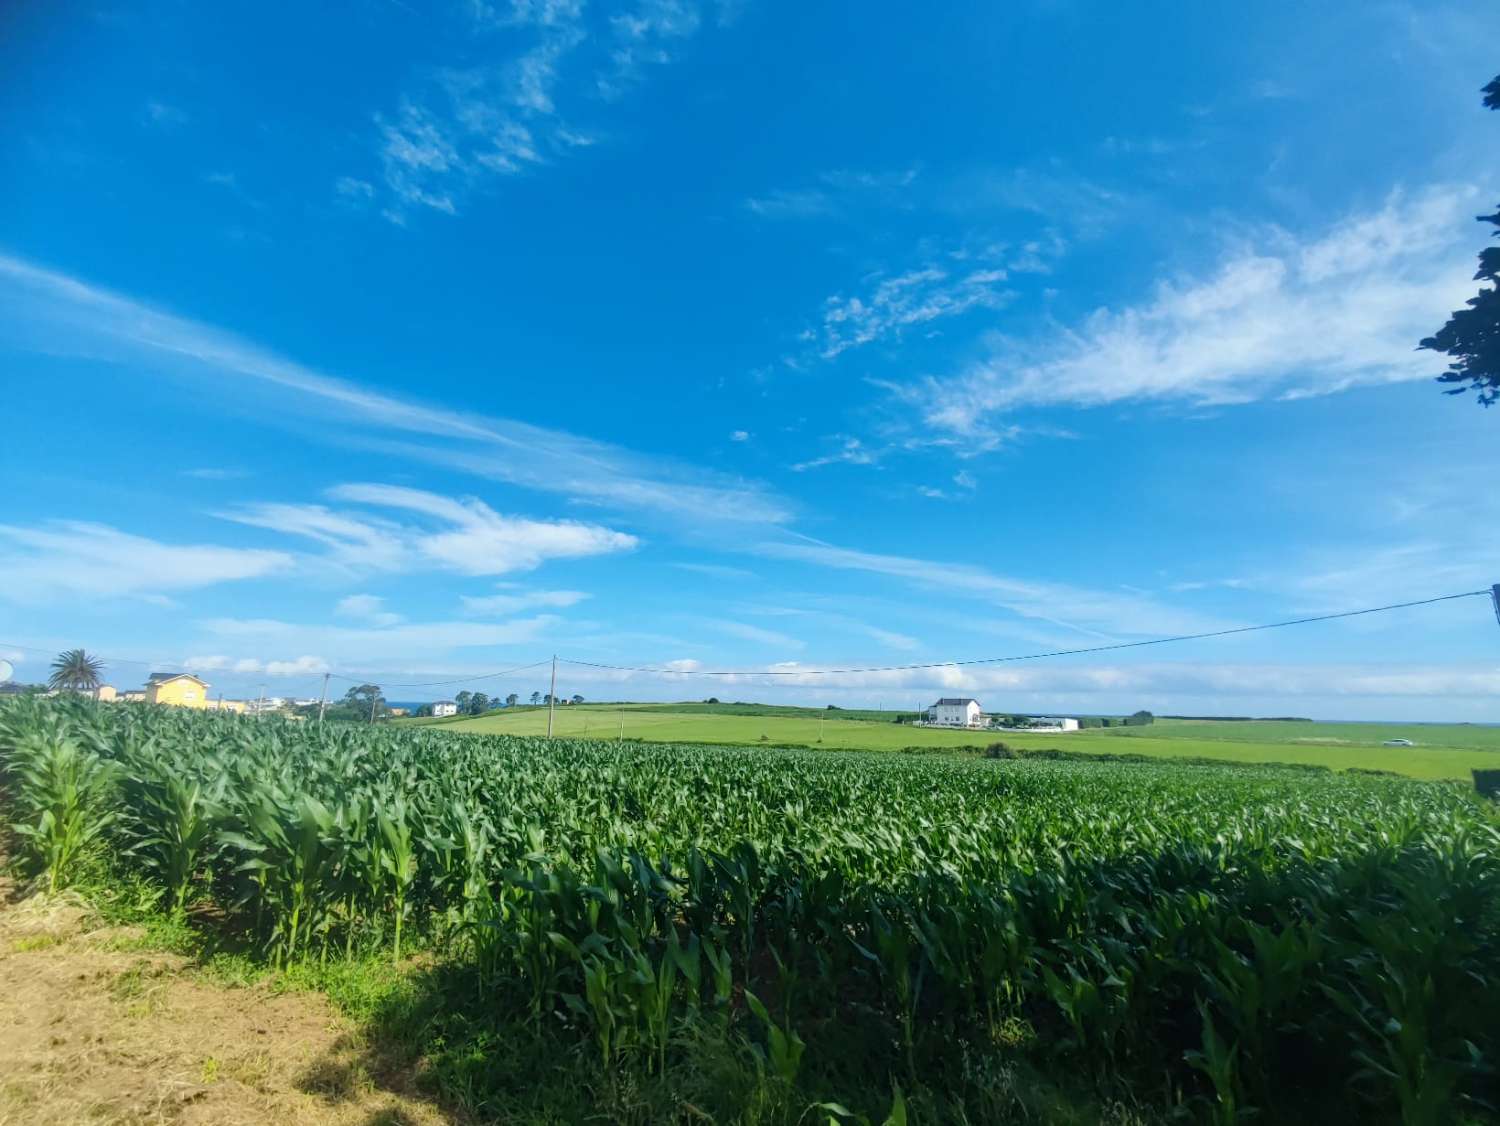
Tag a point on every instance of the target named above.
point(444, 708)
point(955, 712)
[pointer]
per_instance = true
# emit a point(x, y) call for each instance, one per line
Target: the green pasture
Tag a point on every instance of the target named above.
point(1443, 751)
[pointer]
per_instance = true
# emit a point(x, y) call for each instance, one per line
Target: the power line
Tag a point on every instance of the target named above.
point(1040, 656)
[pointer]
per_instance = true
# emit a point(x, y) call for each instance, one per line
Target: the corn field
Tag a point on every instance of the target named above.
point(1222, 942)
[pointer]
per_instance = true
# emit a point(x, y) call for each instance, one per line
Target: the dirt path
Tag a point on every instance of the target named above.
point(94, 1032)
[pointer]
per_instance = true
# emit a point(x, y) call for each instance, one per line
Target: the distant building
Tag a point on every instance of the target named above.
point(1043, 723)
point(397, 713)
point(106, 693)
point(956, 712)
point(238, 707)
point(177, 690)
point(444, 708)
point(132, 697)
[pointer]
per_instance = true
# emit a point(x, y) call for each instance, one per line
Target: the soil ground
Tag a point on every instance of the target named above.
point(95, 1030)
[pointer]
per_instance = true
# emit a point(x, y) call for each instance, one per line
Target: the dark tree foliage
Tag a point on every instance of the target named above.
point(1472, 335)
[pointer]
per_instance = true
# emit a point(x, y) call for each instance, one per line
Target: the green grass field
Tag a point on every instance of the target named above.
point(1442, 751)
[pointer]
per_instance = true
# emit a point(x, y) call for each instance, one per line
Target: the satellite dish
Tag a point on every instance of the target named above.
point(7, 670)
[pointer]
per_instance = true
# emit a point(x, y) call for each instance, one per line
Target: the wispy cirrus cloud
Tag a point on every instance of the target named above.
point(514, 600)
point(53, 313)
point(889, 305)
point(755, 634)
point(368, 608)
point(1103, 614)
point(73, 559)
point(850, 451)
point(837, 193)
point(462, 535)
point(461, 128)
point(1279, 316)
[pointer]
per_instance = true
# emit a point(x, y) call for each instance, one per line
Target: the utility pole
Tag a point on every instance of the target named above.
point(1495, 598)
point(622, 726)
point(552, 697)
point(374, 699)
point(260, 709)
point(323, 703)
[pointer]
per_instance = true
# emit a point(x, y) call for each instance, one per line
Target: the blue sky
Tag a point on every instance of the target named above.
point(419, 342)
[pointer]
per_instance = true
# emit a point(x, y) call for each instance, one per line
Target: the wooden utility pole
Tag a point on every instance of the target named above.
point(323, 703)
point(1495, 598)
point(552, 697)
point(374, 699)
point(260, 708)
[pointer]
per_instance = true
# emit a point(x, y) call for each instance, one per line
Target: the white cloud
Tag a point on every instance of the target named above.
point(354, 189)
point(46, 311)
point(464, 127)
point(367, 608)
point(358, 542)
point(1094, 612)
point(739, 436)
point(645, 37)
point(479, 540)
point(716, 570)
point(791, 203)
point(300, 666)
point(499, 605)
point(164, 116)
point(216, 473)
point(67, 558)
point(1279, 316)
point(756, 634)
point(252, 666)
point(851, 451)
point(837, 192)
point(457, 535)
point(905, 300)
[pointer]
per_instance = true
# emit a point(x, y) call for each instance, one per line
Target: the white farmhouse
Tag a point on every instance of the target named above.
point(444, 708)
point(955, 712)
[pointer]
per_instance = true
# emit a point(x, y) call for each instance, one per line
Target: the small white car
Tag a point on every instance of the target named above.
point(1398, 743)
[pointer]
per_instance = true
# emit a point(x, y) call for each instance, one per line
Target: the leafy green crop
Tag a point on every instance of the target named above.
point(1222, 942)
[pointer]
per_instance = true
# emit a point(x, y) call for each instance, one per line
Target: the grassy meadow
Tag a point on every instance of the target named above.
point(1442, 750)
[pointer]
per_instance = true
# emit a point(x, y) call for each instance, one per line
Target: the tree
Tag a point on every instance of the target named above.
point(479, 703)
point(365, 702)
point(536, 698)
point(75, 671)
point(512, 700)
point(1472, 335)
point(462, 700)
point(577, 699)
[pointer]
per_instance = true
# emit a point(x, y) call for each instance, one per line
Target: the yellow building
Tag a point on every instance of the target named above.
point(105, 693)
point(235, 706)
point(177, 689)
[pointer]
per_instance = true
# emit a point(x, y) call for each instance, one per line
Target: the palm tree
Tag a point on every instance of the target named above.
point(75, 671)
